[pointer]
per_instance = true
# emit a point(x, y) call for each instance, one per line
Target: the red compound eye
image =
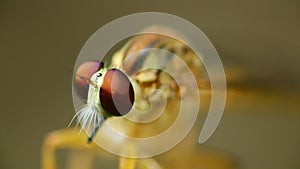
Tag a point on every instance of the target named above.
point(116, 93)
point(84, 73)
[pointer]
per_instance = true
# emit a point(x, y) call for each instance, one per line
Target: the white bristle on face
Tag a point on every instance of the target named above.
point(90, 117)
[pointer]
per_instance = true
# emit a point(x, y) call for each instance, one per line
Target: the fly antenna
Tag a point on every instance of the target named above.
point(88, 81)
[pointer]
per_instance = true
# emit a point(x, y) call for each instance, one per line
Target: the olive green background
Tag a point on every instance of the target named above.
point(40, 40)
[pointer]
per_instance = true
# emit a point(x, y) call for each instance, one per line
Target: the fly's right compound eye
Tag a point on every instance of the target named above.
point(83, 75)
point(116, 93)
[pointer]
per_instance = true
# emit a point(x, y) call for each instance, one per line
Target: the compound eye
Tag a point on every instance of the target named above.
point(83, 74)
point(116, 93)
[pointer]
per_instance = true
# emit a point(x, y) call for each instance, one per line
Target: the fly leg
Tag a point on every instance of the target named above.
point(97, 124)
point(90, 139)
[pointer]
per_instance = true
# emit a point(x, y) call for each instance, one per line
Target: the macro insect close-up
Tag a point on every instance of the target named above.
point(126, 85)
point(150, 84)
point(137, 91)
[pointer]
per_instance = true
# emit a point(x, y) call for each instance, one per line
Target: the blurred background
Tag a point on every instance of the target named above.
point(258, 42)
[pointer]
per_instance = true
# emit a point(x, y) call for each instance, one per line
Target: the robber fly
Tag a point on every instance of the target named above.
point(94, 80)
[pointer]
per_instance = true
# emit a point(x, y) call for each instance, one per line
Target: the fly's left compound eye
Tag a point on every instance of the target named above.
point(116, 93)
point(83, 75)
